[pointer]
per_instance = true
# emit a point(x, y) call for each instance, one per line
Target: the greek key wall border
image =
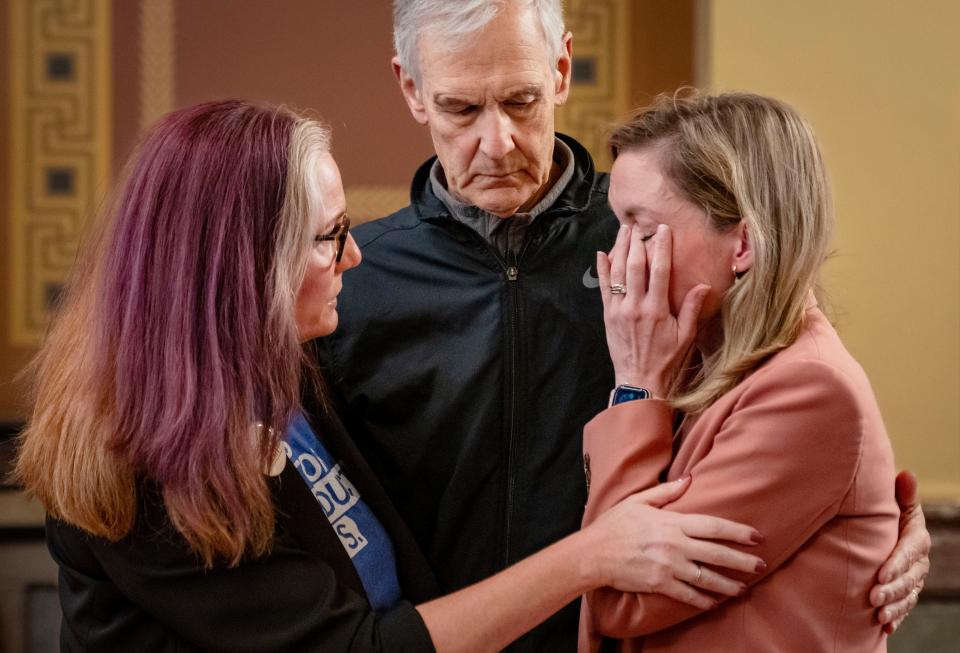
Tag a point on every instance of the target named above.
point(599, 93)
point(60, 146)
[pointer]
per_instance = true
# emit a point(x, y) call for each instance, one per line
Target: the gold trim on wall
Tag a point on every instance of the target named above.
point(59, 146)
point(599, 93)
point(156, 59)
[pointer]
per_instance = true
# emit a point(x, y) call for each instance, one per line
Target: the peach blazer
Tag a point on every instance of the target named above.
point(797, 450)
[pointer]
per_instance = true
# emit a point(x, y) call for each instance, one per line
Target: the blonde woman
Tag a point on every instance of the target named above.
point(727, 371)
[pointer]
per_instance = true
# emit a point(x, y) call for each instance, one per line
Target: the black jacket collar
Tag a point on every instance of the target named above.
point(574, 198)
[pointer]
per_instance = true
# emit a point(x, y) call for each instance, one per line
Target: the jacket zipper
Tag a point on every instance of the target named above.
point(512, 274)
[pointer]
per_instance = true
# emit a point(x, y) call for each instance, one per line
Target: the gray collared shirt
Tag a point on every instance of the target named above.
point(506, 234)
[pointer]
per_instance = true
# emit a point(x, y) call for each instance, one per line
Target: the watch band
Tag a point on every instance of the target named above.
point(623, 393)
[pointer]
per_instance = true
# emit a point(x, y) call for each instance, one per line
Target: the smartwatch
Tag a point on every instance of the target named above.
point(623, 393)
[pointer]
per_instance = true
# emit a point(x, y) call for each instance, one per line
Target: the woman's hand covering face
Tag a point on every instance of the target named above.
point(647, 342)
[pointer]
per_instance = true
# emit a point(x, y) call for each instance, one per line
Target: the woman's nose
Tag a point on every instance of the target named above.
point(351, 255)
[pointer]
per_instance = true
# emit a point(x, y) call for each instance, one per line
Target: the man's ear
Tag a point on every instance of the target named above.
point(743, 254)
point(563, 70)
point(410, 92)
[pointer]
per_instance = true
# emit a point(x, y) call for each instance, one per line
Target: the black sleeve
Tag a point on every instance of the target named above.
point(286, 601)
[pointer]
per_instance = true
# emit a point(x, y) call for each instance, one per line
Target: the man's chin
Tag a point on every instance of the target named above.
point(500, 203)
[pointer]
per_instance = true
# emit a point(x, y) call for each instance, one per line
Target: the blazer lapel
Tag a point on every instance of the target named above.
point(299, 514)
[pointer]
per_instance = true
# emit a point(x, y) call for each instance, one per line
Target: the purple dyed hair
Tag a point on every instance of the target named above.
point(185, 337)
point(189, 260)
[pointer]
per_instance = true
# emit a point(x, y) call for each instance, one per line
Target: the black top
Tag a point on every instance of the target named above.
point(472, 375)
point(148, 592)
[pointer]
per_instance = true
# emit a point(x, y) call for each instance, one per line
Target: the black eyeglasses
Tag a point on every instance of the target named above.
point(338, 234)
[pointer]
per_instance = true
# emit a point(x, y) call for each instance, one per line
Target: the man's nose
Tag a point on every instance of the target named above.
point(496, 134)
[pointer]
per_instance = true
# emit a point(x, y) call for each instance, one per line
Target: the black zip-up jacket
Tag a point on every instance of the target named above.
point(472, 376)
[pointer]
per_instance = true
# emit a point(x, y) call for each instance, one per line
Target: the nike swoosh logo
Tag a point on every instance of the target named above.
point(590, 281)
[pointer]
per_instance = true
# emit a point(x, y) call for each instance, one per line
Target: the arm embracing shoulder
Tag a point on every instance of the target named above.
point(782, 461)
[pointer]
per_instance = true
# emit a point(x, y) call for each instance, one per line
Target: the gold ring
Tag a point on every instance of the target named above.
point(618, 289)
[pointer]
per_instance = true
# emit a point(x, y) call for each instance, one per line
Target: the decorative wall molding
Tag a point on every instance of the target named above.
point(599, 94)
point(60, 146)
point(157, 26)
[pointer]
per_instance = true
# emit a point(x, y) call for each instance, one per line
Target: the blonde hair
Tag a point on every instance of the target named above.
point(178, 335)
point(744, 157)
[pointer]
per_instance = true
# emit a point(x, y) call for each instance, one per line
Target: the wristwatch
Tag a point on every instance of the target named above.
point(623, 393)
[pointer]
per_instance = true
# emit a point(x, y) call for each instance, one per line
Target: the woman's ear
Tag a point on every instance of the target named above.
point(743, 254)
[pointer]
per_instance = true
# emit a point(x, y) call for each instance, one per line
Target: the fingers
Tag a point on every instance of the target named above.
point(664, 493)
point(603, 276)
point(913, 546)
point(685, 593)
point(894, 613)
point(892, 628)
point(897, 598)
point(618, 256)
point(708, 579)
point(636, 268)
point(705, 527)
point(903, 557)
point(719, 555)
point(900, 588)
point(660, 262)
point(906, 490)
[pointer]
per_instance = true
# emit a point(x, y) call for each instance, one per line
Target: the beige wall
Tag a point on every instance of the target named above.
point(880, 81)
point(332, 57)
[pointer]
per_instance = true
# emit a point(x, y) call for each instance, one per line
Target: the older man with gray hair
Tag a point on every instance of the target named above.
point(472, 348)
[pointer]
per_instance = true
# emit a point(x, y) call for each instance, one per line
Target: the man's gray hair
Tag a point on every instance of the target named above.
point(453, 20)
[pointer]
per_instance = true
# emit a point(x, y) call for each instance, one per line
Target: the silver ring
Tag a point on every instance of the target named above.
point(916, 595)
point(618, 289)
point(699, 574)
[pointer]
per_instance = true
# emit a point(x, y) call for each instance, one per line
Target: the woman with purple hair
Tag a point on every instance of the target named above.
point(202, 495)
